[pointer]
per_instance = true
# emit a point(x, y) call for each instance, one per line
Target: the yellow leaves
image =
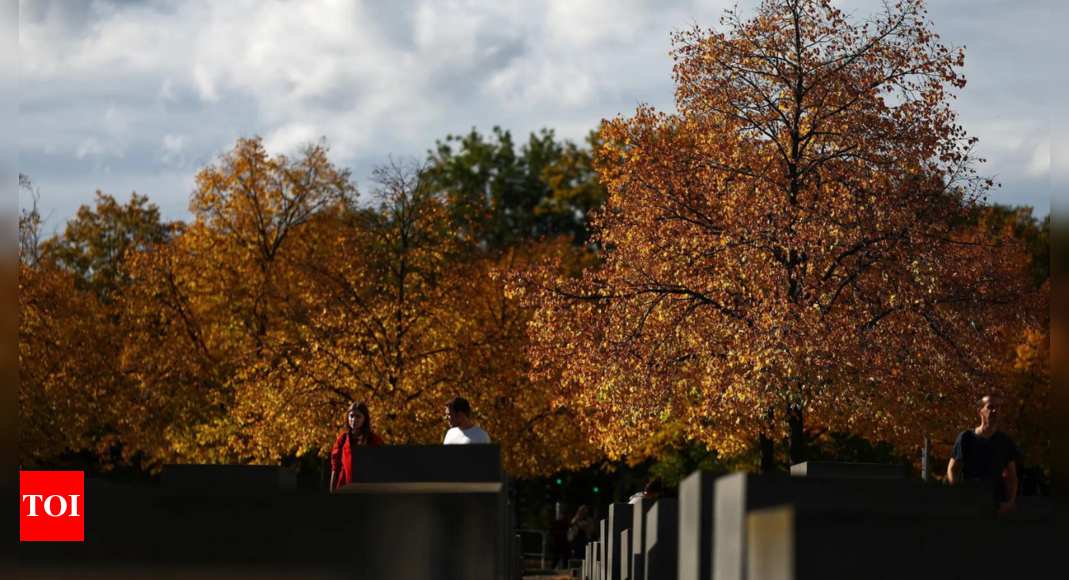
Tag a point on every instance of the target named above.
point(66, 384)
point(780, 282)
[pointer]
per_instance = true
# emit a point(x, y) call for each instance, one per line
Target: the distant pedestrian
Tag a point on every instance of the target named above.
point(462, 431)
point(654, 490)
point(358, 432)
point(986, 456)
point(581, 531)
point(559, 541)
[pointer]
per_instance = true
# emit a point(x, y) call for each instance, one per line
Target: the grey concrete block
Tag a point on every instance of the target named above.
point(603, 542)
point(228, 478)
point(662, 541)
point(598, 560)
point(625, 555)
point(738, 494)
point(156, 532)
point(849, 470)
point(374, 464)
point(788, 543)
point(620, 518)
point(639, 512)
point(696, 540)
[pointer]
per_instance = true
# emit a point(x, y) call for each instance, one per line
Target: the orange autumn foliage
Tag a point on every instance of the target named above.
point(285, 300)
point(67, 380)
point(789, 244)
point(1028, 395)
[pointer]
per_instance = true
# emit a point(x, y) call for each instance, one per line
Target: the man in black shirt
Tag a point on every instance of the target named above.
point(987, 456)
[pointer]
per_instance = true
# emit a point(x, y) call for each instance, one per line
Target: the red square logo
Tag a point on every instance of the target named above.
point(53, 506)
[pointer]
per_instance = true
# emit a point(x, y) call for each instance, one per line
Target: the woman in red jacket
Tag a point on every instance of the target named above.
point(358, 433)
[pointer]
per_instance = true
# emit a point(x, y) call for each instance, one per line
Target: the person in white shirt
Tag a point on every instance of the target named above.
point(463, 431)
point(653, 492)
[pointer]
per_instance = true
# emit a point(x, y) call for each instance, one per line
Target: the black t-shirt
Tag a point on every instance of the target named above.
point(984, 460)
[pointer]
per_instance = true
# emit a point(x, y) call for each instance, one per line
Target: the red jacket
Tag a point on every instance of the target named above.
point(341, 459)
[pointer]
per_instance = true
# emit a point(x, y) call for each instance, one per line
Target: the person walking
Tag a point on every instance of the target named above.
point(560, 543)
point(987, 456)
point(581, 531)
point(357, 433)
point(654, 490)
point(462, 431)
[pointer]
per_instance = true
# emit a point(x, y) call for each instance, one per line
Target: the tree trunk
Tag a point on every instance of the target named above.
point(768, 455)
point(796, 422)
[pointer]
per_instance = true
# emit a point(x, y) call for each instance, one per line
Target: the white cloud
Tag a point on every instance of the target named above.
point(8, 107)
point(452, 33)
point(9, 57)
point(167, 90)
point(173, 148)
point(1041, 160)
point(174, 143)
point(291, 137)
point(156, 87)
point(116, 122)
point(89, 147)
point(585, 25)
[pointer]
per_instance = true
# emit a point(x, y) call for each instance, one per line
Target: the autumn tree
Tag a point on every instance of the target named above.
point(785, 253)
point(285, 300)
point(1028, 395)
point(1027, 383)
point(377, 334)
point(9, 271)
point(207, 305)
point(30, 222)
point(67, 379)
point(576, 188)
point(538, 436)
point(66, 373)
point(96, 243)
point(406, 317)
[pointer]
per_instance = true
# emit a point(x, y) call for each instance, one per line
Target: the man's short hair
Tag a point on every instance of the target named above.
point(980, 404)
point(459, 405)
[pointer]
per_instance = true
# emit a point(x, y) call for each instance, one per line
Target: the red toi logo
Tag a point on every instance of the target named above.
point(53, 506)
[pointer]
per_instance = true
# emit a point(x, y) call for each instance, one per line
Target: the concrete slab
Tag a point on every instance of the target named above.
point(639, 512)
point(849, 470)
point(696, 540)
point(662, 541)
point(788, 543)
point(620, 519)
point(236, 478)
point(738, 494)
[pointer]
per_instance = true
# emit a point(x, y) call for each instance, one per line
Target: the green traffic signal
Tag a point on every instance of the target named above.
point(596, 490)
point(560, 482)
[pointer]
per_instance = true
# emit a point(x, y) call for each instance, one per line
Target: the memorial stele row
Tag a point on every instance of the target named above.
point(825, 522)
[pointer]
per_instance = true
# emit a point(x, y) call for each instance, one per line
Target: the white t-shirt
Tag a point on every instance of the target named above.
point(473, 436)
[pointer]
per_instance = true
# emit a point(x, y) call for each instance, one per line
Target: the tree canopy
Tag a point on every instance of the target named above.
point(802, 252)
point(787, 251)
point(243, 335)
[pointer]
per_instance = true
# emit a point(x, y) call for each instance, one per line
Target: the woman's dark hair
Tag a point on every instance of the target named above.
point(364, 436)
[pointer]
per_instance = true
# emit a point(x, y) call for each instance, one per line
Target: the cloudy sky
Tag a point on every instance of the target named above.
point(125, 95)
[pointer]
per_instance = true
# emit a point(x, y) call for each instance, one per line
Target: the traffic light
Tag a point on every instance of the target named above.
point(596, 490)
point(560, 482)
